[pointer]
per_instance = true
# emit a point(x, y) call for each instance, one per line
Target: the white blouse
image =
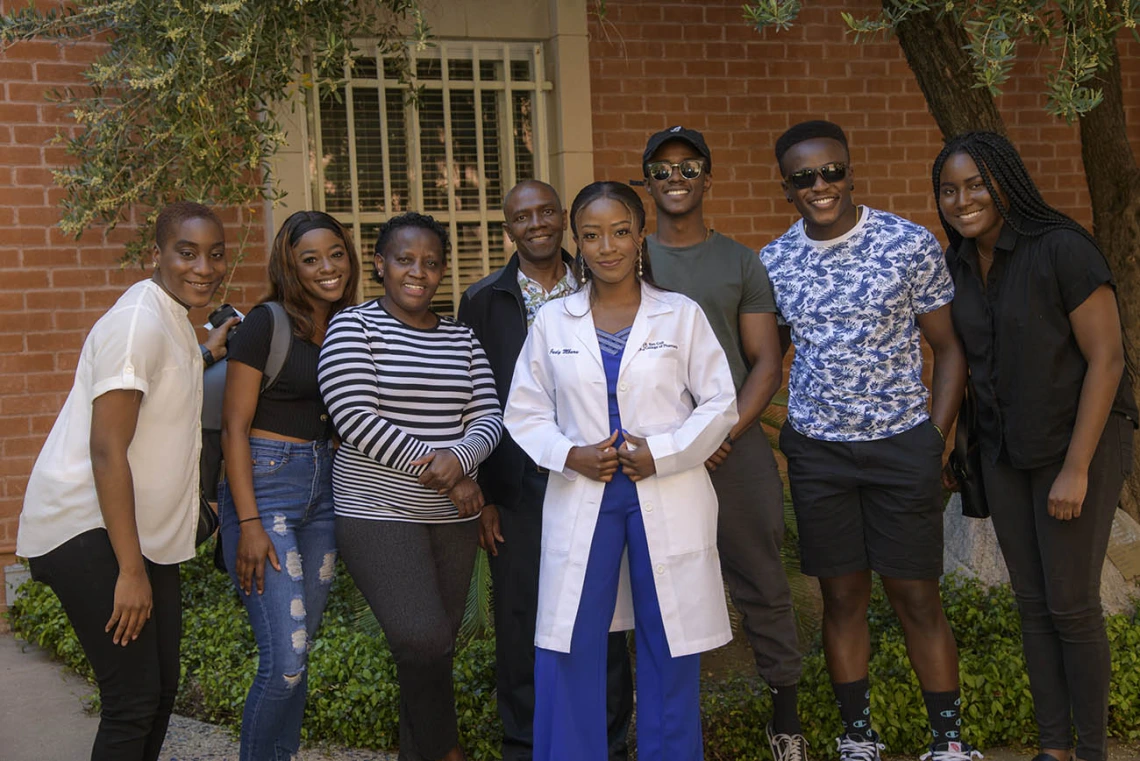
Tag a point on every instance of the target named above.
point(144, 342)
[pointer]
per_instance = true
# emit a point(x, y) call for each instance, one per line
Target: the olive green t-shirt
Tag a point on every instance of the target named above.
point(726, 278)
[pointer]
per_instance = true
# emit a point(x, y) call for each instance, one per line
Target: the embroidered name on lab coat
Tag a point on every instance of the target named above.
point(564, 351)
point(657, 346)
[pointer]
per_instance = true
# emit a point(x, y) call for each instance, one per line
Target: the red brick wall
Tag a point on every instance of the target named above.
point(655, 63)
point(53, 288)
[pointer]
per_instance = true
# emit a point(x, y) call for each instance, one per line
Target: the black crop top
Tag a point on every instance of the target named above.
point(293, 406)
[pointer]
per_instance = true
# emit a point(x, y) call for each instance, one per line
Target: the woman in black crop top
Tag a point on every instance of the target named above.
point(276, 503)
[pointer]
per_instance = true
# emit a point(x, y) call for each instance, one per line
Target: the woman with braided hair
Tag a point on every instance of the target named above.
point(1036, 311)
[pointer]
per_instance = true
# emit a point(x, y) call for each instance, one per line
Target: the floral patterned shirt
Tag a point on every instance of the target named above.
point(534, 295)
point(852, 304)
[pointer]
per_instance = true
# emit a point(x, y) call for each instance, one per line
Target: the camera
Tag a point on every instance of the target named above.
point(220, 315)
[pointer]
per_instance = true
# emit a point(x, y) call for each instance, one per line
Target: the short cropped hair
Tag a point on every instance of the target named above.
point(410, 219)
point(804, 131)
point(532, 183)
point(172, 217)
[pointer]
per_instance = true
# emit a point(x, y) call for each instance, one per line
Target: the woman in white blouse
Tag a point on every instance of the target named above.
point(111, 506)
point(622, 391)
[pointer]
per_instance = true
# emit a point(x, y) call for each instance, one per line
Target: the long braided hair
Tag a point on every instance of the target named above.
point(1001, 167)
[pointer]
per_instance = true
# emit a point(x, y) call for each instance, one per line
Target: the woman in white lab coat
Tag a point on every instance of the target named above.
point(622, 391)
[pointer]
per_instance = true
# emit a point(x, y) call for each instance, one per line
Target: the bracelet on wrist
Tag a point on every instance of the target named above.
point(247, 520)
point(941, 435)
point(207, 355)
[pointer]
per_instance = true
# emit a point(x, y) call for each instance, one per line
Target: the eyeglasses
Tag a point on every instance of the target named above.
point(805, 178)
point(662, 170)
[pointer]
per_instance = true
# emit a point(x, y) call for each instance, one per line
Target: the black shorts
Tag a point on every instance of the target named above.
point(868, 504)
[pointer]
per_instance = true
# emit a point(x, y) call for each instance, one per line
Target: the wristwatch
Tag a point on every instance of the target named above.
point(207, 355)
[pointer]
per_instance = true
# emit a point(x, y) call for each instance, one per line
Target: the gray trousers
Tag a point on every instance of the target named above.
point(750, 533)
point(1055, 568)
point(415, 577)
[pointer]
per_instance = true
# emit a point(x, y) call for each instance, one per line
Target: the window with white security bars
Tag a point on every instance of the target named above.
point(479, 127)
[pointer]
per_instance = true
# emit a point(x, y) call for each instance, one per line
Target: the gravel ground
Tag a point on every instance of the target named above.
point(190, 740)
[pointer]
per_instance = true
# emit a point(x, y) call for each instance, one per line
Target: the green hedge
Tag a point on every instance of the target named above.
point(353, 695)
point(998, 708)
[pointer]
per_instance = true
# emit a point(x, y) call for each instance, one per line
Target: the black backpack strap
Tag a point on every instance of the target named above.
point(279, 344)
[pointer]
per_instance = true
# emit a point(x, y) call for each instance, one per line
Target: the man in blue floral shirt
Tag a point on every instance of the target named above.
point(855, 288)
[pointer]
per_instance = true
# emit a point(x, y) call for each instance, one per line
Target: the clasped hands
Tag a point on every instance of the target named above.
point(444, 475)
point(600, 461)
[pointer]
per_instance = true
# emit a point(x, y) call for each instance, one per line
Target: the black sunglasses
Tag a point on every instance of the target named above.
point(805, 178)
point(662, 170)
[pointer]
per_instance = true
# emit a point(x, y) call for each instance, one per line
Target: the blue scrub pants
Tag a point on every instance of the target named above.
point(570, 688)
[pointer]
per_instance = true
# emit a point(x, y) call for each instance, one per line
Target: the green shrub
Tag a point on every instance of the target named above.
point(353, 697)
point(1124, 696)
point(997, 706)
point(37, 616)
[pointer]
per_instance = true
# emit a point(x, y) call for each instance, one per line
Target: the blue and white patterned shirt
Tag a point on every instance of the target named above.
point(852, 304)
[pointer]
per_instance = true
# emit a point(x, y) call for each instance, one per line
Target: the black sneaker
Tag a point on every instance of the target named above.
point(955, 751)
point(786, 747)
point(860, 747)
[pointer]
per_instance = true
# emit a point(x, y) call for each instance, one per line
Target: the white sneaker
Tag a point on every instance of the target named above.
point(856, 749)
point(953, 752)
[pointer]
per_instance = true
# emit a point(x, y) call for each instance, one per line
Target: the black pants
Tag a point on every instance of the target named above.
point(1055, 568)
point(415, 577)
point(750, 533)
point(514, 573)
point(137, 683)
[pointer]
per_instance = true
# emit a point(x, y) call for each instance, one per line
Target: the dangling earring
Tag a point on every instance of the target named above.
point(582, 275)
point(639, 272)
point(851, 186)
point(580, 263)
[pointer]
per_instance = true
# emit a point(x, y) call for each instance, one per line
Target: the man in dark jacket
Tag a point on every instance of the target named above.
point(500, 309)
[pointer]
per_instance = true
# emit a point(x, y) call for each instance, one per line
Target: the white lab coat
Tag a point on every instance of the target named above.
point(674, 389)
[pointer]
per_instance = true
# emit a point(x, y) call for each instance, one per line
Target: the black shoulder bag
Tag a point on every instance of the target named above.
point(966, 459)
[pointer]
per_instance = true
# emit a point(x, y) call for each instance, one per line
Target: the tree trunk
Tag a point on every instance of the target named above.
point(1114, 188)
point(935, 51)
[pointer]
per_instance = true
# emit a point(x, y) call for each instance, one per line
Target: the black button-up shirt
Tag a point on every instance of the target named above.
point(1026, 369)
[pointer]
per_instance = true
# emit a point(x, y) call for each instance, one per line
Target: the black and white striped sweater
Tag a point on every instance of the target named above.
point(395, 394)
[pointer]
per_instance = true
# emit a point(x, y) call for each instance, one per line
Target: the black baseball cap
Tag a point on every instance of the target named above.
point(690, 136)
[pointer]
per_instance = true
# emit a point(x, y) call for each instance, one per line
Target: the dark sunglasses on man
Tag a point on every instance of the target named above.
point(662, 170)
point(805, 178)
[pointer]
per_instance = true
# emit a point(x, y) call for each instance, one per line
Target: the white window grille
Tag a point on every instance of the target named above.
point(479, 128)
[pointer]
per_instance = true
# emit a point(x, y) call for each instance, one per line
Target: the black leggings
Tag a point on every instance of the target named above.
point(415, 577)
point(137, 683)
point(1055, 568)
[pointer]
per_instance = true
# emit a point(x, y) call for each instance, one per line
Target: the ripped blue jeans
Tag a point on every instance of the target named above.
point(293, 486)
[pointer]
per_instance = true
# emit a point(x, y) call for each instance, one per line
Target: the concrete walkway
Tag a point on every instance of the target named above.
point(40, 693)
point(42, 718)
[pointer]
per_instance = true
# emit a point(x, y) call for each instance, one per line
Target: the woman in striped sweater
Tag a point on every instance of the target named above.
point(413, 399)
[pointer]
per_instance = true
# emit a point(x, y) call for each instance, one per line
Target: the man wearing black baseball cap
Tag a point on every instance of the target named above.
point(729, 282)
